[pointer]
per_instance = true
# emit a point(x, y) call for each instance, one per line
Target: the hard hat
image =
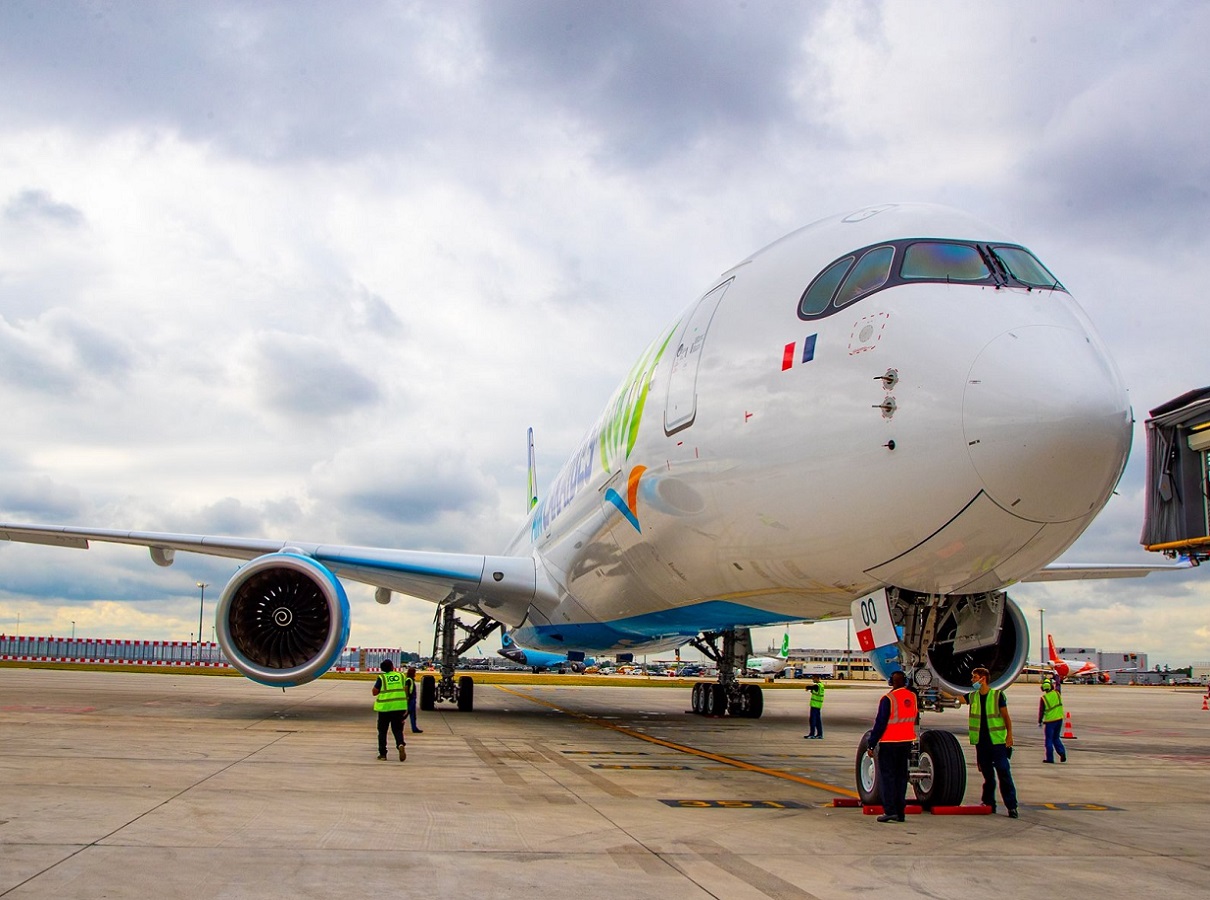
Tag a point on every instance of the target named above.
point(1047, 684)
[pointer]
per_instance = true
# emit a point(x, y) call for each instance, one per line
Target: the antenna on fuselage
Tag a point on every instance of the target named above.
point(533, 474)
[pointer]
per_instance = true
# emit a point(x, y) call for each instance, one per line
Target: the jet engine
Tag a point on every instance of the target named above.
point(283, 620)
point(944, 638)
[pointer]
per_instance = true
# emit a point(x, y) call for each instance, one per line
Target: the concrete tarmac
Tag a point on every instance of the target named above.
point(136, 785)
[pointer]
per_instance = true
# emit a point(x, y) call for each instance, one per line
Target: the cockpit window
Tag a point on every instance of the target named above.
point(1024, 267)
point(870, 273)
point(938, 261)
point(819, 294)
point(917, 261)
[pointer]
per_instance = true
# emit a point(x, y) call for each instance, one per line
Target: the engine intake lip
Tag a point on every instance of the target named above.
point(283, 619)
point(1004, 660)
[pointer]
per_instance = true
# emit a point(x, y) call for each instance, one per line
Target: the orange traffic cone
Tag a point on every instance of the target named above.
point(1067, 733)
point(1206, 702)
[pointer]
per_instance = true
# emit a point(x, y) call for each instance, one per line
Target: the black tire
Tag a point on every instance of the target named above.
point(756, 701)
point(466, 694)
point(944, 780)
point(866, 773)
point(428, 693)
point(696, 701)
point(716, 700)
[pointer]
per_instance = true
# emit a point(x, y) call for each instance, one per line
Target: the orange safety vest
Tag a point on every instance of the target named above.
point(901, 726)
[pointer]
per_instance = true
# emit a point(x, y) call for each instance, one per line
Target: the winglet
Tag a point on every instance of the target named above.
point(533, 474)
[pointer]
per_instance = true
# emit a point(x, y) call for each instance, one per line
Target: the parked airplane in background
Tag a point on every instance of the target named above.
point(1071, 669)
point(771, 665)
point(539, 660)
point(895, 413)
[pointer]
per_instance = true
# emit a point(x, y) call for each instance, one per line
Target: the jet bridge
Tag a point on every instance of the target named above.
point(1177, 518)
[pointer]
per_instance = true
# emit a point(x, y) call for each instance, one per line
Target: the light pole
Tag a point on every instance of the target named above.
point(73, 629)
point(1041, 636)
point(848, 650)
point(200, 606)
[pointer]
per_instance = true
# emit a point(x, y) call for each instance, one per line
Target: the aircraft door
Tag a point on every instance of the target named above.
point(680, 406)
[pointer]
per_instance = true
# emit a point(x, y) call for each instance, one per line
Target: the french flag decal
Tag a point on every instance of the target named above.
point(789, 352)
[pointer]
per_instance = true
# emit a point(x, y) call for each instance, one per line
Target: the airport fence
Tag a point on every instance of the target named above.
point(115, 651)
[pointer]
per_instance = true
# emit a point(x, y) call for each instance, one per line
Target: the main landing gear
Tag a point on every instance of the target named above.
point(447, 648)
point(936, 770)
point(728, 694)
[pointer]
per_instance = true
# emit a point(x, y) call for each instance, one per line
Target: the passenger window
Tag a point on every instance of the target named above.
point(1025, 268)
point(819, 294)
point(870, 273)
point(938, 261)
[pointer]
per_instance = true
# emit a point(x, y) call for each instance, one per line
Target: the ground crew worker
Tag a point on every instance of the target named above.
point(893, 734)
point(410, 684)
point(991, 731)
point(391, 704)
point(816, 690)
point(1050, 716)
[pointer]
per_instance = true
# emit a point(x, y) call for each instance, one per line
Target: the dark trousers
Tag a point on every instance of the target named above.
point(412, 712)
point(394, 720)
point(1054, 743)
point(816, 721)
point(992, 760)
point(893, 760)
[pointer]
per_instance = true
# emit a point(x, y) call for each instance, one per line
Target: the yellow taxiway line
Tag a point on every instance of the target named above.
point(684, 748)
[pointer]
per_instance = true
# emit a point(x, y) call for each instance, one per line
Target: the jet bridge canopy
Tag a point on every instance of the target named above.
point(1177, 517)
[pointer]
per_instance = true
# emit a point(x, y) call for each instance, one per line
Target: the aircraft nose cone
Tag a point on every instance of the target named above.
point(1047, 423)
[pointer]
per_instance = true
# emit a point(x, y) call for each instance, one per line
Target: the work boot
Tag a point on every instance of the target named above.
point(1012, 813)
point(382, 756)
point(403, 753)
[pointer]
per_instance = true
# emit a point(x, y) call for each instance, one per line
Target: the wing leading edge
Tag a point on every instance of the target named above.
point(494, 580)
point(1091, 571)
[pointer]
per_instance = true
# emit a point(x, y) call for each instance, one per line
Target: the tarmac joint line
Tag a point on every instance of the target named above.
point(684, 748)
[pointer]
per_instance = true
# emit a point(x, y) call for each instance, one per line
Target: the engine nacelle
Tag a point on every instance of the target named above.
point(940, 643)
point(283, 620)
point(1004, 659)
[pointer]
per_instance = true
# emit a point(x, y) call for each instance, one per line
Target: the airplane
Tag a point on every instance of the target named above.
point(894, 413)
point(1065, 669)
point(539, 660)
point(771, 665)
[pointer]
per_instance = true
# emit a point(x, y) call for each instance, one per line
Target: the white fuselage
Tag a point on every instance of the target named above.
point(757, 467)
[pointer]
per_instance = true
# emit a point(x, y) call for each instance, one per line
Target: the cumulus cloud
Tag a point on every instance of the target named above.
point(305, 377)
point(36, 207)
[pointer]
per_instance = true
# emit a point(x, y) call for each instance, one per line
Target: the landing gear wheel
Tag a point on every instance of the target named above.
point(428, 693)
point(867, 773)
point(751, 702)
point(466, 693)
point(716, 700)
point(697, 701)
point(756, 701)
point(943, 768)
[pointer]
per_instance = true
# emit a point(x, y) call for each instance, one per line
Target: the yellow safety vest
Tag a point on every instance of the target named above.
point(817, 696)
point(391, 693)
point(1052, 702)
point(997, 730)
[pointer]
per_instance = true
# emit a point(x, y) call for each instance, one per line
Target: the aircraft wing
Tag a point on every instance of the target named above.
point(424, 574)
point(1078, 571)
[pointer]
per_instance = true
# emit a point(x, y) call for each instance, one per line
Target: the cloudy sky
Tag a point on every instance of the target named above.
point(310, 270)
